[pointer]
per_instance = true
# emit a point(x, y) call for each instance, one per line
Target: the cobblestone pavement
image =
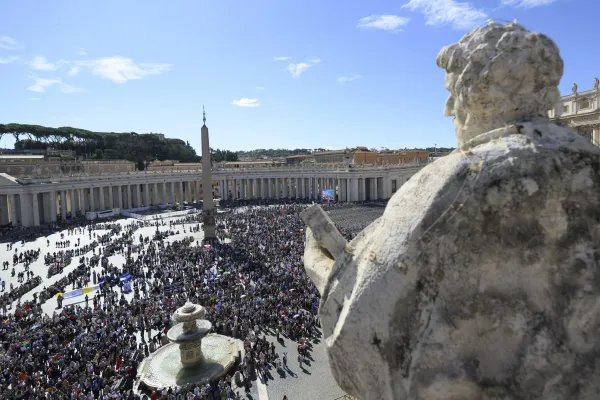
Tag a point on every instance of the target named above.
point(314, 383)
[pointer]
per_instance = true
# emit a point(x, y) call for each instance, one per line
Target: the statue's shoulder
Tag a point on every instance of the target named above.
point(538, 151)
point(539, 134)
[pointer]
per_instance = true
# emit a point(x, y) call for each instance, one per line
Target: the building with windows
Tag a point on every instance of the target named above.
point(580, 111)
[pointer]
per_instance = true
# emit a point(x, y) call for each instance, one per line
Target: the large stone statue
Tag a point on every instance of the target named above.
point(481, 280)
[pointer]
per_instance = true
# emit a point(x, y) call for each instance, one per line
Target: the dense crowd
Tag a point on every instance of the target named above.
point(252, 285)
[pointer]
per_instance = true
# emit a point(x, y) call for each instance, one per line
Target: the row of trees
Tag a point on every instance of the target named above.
point(139, 148)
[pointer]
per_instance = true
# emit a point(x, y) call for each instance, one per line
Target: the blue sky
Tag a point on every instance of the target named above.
point(271, 73)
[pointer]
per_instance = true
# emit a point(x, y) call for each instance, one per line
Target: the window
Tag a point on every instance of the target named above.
point(565, 109)
point(584, 104)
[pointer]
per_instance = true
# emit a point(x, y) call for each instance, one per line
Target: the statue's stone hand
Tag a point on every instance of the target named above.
point(317, 261)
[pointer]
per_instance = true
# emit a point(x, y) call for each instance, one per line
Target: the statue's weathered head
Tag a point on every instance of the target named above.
point(498, 74)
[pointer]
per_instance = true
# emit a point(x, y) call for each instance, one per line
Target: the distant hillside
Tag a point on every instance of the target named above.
point(139, 148)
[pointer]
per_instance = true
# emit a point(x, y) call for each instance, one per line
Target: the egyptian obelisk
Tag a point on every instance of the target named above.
point(208, 206)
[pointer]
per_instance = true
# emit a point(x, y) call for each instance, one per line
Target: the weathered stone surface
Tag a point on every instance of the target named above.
point(481, 280)
point(499, 74)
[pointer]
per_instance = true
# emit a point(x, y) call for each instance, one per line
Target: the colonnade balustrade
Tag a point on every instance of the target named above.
point(32, 202)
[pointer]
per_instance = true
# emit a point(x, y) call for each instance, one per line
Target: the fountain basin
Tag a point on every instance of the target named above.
point(163, 368)
point(180, 333)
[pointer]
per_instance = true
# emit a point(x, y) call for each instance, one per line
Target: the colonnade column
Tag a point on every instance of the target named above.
point(73, 206)
point(92, 199)
point(120, 196)
point(172, 193)
point(128, 193)
point(138, 195)
point(111, 199)
point(163, 187)
point(197, 187)
point(82, 208)
point(147, 194)
point(52, 206)
point(101, 197)
point(374, 191)
point(13, 209)
point(354, 190)
point(63, 205)
point(154, 194)
point(363, 188)
point(36, 209)
point(181, 198)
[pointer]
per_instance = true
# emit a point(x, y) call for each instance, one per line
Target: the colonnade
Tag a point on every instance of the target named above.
point(36, 202)
point(342, 188)
point(38, 206)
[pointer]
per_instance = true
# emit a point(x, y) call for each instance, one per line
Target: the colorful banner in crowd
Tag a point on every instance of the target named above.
point(80, 292)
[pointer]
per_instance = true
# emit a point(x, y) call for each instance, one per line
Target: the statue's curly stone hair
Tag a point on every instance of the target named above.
point(499, 74)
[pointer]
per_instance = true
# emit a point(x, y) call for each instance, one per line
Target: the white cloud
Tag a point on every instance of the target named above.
point(385, 22)
point(121, 69)
point(34, 98)
point(460, 15)
point(260, 88)
point(81, 52)
point(41, 84)
point(73, 71)
point(8, 43)
point(527, 3)
point(8, 60)
point(298, 69)
point(350, 78)
point(281, 58)
point(41, 64)
point(244, 102)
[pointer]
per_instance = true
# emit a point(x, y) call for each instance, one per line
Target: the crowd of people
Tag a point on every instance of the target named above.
point(252, 284)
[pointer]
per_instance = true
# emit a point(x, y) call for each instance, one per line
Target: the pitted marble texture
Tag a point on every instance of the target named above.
point(497, 75)
point(482, 279)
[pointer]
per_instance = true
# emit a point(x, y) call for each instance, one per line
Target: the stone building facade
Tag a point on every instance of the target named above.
point(580, 111)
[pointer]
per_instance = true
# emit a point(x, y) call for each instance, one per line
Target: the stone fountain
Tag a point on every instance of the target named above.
point(188, 333)
point(193, 356)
